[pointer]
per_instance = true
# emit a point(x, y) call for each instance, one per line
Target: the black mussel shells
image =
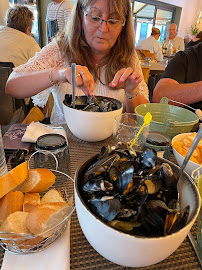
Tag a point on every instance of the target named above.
point(106, 207)
point(132, 193)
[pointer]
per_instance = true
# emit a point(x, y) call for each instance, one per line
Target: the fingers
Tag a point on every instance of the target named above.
point(121, 76)
point(127, 76)
point(84, 80)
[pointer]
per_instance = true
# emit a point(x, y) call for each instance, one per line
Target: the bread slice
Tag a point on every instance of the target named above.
point(16, 223)
point(30, 201)
point(46, 216)
point(13, 178)
point(10, 203)
point(38, 180)
point(52, 196)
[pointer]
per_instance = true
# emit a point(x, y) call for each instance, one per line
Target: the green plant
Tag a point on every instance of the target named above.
point(194, 29)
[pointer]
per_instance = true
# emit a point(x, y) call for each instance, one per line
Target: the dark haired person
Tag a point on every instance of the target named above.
point(182, 79)
point(16, 44)
point(99, 38)
point(152, 44)
point(196, 40)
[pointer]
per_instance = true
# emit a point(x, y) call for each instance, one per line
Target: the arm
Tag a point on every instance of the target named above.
point(186, 93)
point(29, 83)
point(67, 10)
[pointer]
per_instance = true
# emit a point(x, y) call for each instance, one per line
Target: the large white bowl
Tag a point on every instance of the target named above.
point(91, 126)
point(190, 165)
point(128, 250)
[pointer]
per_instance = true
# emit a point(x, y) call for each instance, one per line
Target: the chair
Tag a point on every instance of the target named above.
point(145, 71)
point(11, 110)
point(152, 81)
point(145, 53)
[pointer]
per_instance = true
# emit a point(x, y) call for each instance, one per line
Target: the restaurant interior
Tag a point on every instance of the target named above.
point(108, 189)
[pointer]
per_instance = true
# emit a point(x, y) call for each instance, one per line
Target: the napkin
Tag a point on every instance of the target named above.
point(36, 129)
point(12, 139)
point(54, 257)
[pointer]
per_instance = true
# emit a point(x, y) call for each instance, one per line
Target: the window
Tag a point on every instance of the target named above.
point(147, 14)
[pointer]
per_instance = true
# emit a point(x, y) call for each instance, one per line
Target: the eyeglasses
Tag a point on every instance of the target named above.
point(97, 21)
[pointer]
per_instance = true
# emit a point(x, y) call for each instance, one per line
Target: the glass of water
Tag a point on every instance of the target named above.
point(126, 127)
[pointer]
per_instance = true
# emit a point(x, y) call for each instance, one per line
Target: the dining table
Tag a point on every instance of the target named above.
point(82, 254)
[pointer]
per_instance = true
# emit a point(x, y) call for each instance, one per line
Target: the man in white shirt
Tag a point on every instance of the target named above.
point(58, 12)
point(177, 42)
point(152, 44)
point(17, 46)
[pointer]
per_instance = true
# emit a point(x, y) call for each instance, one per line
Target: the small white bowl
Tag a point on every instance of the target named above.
point(91, 126)
point(190, 165)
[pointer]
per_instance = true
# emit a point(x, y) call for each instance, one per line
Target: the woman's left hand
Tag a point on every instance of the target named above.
point(127, 78)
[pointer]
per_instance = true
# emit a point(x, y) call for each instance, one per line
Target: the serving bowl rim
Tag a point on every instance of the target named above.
point(120, 104)
point(141, 238)
point(176, 123)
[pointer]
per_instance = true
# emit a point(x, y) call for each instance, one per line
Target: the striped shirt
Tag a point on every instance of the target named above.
point(59, 11)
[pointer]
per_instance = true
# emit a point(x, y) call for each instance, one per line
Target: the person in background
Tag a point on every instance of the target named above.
point(58, 12)
point(16, 45)
point(187, 39)
point(196, 40)
point(152, 44)
point(182, 79)
point(177, 42)
point(101, 43)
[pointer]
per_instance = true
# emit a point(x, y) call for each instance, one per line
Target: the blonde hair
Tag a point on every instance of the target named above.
point(74, 47)
point(19, 17)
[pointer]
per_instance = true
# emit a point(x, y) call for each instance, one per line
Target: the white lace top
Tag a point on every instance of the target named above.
point(50, 57)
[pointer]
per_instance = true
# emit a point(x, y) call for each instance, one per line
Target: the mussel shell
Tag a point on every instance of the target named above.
point(123, 180)
point(98, 185)
point(106, 207)
point(149, 158)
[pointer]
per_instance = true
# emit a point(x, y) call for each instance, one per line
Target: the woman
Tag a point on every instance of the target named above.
point(99, 38)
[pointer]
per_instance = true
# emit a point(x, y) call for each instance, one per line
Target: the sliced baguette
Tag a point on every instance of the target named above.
point(46, 216)
point(10, 203)
point(52, 196)
point(16, 223)
point(13, 178)
point(38, 180)
point(30, 201)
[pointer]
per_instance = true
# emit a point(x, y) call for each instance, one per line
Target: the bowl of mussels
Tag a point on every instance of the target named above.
point(128, 208)
point(92, 118)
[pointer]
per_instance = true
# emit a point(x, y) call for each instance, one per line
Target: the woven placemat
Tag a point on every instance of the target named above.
point(83, 256)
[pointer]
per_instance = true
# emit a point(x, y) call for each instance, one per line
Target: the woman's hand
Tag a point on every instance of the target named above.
point(84, 79)
point(128, 79)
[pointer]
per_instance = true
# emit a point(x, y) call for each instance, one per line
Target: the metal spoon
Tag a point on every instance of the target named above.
point(73, 78)
point(189, 153)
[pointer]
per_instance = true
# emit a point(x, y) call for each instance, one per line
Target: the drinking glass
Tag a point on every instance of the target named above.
point(147, 62)
point(126, 127)
point(164, 62)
